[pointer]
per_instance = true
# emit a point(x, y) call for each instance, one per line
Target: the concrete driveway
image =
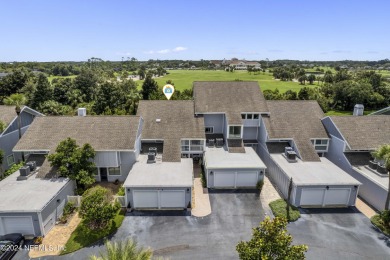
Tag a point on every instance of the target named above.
point(179, 236)
point(339, 234)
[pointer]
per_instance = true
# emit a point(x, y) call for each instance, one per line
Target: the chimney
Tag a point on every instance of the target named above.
point(358, 110)
point(81, 111)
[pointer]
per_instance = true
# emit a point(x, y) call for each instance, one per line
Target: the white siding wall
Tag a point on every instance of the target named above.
point(216, 121)
point(250, 133)
point(106, 159)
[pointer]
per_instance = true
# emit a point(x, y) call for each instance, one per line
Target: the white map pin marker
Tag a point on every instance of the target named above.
point(168, 91)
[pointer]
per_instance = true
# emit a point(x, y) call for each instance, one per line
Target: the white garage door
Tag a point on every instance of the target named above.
point(312, 197)
point(145, 199)
point(22, 225)
point(246, 179)
point(224, 179)
point(325, 197)
point(337, 196)
point(172, 199)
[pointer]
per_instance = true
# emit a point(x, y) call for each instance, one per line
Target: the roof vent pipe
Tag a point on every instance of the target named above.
point(358, 110)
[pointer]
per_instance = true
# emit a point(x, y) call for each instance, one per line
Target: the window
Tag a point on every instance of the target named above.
point(320, 144)
point(255, 116)
point(243, 116)
point(114, 171)
point(10, 159)
point(192, 145)
point(209, 130)
point(249, 116)
point(234, 131)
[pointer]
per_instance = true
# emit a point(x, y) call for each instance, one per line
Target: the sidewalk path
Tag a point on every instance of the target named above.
point(267, 195)
point(202, 201)
point(365, 208)
point(55, 240)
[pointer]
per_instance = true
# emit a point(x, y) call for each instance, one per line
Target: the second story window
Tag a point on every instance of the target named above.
point(209, 130)
point(250, 116)
point(321, 145)
point(234, 131)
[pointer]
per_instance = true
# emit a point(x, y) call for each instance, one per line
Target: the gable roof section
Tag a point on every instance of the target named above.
point(103, 133)
point(177, 121)
point(7, 114)
point(297, 120)
point(364, 132)
point(230, 97)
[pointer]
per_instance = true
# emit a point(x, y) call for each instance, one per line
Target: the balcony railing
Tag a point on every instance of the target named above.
point(251, 122)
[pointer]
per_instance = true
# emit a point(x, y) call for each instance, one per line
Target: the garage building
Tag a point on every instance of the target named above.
point(158, 185)
point(32, 206)
point(233, 170)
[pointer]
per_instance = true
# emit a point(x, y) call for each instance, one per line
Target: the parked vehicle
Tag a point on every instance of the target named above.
point(9, 245)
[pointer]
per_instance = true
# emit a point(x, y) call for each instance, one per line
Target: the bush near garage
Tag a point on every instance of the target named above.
point(278, 207)
point(382, 221)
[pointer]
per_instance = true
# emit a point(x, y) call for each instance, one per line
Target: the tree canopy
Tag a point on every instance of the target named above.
point(74, 162)
point(271, 241)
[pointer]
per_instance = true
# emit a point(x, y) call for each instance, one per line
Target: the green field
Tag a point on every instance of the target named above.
point(346, 113)
point(183, 79)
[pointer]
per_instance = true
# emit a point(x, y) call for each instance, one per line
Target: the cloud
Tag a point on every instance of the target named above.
point(165, 51)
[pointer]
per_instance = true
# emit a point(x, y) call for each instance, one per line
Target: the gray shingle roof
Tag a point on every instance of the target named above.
point(299, 120)
point(7, 114)
point(364, 132)
point(103, 133)
point(177, 121)
point(230, 97)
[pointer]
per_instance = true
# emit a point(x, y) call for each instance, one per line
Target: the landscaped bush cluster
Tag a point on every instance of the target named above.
point(69, 209)
point(11, 170)
point(382, 221)
point(121, 191)
point(203, 177)
point(278, 207)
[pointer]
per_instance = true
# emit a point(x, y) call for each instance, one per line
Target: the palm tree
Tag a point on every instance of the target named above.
point(17, 100)
point(124, 250)
point(383, 153)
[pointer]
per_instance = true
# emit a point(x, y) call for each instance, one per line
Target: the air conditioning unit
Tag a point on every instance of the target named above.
point(32, 165)
point(151, 157)
point(287, 149)
point(153, 150)
point(24, 171)
point(219, 142)
point(291, 155)
point(211, 143)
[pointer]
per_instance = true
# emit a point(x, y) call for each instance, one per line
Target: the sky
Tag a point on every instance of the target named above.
point(71, 30)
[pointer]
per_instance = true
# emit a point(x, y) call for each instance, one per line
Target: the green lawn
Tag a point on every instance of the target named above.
point(60, 77)
point(278, 207)
point(183, 79)
point(83, 236)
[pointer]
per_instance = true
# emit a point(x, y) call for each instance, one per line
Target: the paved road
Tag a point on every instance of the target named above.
point(179, 236)
point(339, 234)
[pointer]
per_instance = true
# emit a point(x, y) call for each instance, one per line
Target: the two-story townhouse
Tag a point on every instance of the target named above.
point(231, 113)
point(172, 135)
point(293, 142)
point(353, 139)
point(10, 135)
point(33, 198)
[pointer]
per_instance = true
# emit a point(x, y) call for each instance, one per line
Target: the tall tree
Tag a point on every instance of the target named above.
point(13, 82)
point(74, 162)
point(271, 241)
point(17, 100)
point(43, 91)
point(86, 82)
point(149, 87)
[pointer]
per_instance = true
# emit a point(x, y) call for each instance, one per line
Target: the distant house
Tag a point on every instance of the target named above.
point(243, 65)
point(293, 145)
point(353, 138)
point(10, 136)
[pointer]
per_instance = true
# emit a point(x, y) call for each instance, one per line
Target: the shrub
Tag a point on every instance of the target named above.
point(97, 207)
point(121, 191)
point(203, 177)
point(278, 207)
point(382, 221)
point(259, 185)
point(69, 208)
point(13, 169)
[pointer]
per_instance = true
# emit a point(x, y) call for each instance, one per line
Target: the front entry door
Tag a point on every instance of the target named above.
point(103, 174)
